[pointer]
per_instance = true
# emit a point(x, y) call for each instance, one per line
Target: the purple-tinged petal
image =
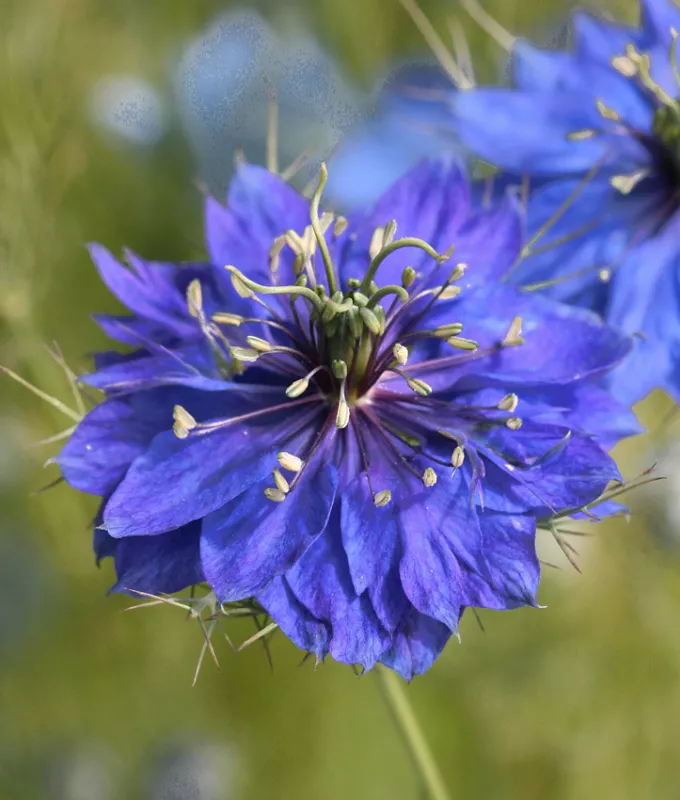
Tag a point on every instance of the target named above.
point(159, 564)
point(658, 17)
point(561, 343)
point(251, 540)
point(441, 540)
point(431, 202)
point(115, 433)
point(301, 627)
point(490, 241)
point(322, 583)
point(261, 207)
point(371, 539)
point(191, 365)
point(416, 645)
point(104, 444)
point(576, 475)
point(179, 480)
point(535, 128)
point(515, 571)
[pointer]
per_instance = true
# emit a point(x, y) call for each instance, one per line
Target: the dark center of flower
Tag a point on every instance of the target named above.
point(666, 129)
point(662, 142)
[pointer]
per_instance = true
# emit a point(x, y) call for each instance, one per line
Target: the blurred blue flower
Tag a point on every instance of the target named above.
point(387, 141)
point(597, 131)
point(313, 430)
point(130, 108)
point(223, 84)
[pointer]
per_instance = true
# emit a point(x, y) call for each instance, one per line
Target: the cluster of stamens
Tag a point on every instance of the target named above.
point(340, 342)
point(637, 66)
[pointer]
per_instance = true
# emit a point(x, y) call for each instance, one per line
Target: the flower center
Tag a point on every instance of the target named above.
point(346, 338)
point(333, 342)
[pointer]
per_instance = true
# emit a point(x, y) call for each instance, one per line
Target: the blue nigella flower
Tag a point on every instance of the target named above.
point(596, 133)
point(311, 427)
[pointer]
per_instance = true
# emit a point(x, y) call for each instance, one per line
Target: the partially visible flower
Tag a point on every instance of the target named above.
point(226, 76)
point(362, 433)
point(595, 132)
point(130, 108)
point(380, 148)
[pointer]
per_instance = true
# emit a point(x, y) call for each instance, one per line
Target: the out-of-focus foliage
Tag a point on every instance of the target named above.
point(580, 700)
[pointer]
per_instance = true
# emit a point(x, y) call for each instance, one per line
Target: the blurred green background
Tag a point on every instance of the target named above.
point(581, 700)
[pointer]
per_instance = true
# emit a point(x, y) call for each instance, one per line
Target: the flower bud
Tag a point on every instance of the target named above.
point(408, 277)
point(340, 369)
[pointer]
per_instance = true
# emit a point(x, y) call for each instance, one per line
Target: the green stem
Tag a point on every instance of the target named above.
point(316, 227)
point(409, 241)
point(394, 691)
point(302, 291)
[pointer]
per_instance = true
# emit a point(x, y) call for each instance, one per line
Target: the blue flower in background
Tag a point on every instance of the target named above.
point(347, 426)
point(596, 131)
point(223, 82)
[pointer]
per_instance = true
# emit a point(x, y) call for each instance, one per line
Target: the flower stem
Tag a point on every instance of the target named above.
point(393, 691)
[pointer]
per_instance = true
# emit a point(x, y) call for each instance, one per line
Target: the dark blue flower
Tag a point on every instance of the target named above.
point(596, 131)
point(356, 430)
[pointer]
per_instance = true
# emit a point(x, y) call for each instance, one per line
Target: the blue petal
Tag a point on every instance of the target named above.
point(658, 17)
point(371, 540)
point(159, 564)
point(430, 202)
point(190, 365)
point(601, 39)
point(321, 582)
point(515, 571)
point(561, 343)
point(417, 644)
point(596, 411)
point(379, 151)
point(294, 619)
point(645, 297)
point(261, 207)
point(114, 433)
point(575, 476)
point(103, 446)
point(251, 540)
point(490, 241)
point(441, 541)
point(527, 132)
point(155, 291)
point(536, 69)
point(594, 231)
point(179, 480)
point(566, 76)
